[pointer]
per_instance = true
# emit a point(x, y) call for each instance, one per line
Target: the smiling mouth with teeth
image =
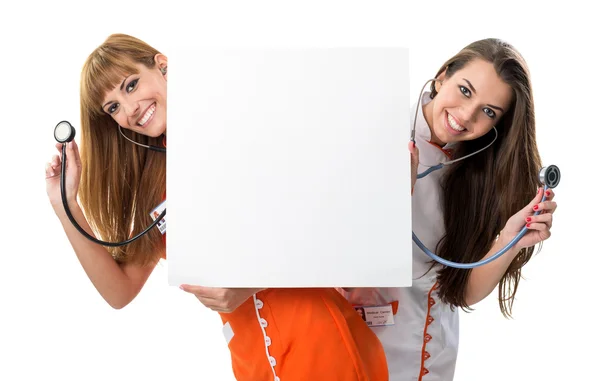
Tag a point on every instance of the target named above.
point(454, 124)
point(147, 115)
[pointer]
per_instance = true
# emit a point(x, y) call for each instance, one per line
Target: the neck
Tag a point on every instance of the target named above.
point(428, 113)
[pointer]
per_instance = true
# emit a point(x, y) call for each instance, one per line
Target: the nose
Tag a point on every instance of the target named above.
point(469, 112)
point(131, 108)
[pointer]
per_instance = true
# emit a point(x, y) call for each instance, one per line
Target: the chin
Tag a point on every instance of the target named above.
point(152, 131)
point(156, 133)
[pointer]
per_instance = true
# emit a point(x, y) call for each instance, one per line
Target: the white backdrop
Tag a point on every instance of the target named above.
point(54, 324)
point(308, 140)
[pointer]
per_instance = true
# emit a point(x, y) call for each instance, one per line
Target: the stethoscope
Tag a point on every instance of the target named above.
point(64, 132)
point(549, 176)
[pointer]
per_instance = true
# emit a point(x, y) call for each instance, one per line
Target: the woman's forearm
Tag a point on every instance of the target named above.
point(111, 280)
point(484, 279)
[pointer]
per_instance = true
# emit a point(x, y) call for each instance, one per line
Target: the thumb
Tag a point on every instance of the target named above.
point(414, 151)
point(72, 159)
point(193, 289)
point(412, 147)
point(76, 154)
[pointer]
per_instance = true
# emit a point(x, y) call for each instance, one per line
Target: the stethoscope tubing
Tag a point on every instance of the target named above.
point(416, 239)
point(457, 265)
point(74, 222)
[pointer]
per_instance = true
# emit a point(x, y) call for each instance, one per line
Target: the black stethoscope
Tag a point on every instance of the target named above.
point(64, 132)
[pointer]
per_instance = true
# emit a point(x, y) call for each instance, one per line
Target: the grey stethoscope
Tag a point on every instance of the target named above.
point(549, 176)
point(64, 132)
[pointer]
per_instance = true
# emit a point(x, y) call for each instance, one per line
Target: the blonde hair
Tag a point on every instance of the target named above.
point(121, 183)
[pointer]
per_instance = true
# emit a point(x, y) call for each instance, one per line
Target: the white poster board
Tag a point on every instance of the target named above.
point(289, 167)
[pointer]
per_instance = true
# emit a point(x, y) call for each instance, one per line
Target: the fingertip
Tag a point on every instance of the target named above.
point(540, 193)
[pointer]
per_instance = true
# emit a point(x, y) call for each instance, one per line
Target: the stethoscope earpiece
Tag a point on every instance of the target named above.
point(550, 176)
point(64, 132)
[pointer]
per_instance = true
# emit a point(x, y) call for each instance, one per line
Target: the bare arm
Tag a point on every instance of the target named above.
point(118, 285)
point(484, 279)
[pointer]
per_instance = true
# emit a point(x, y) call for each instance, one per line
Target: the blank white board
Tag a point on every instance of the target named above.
point(289, 167)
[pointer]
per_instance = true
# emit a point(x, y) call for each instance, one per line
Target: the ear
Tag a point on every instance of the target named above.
point(442, 75)
point(161, 63)
point(440, 80)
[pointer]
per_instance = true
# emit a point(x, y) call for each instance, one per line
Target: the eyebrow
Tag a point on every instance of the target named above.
point(123, 84)
point(473, 90)
point(120, 88)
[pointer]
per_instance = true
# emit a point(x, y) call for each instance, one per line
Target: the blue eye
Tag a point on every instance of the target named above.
point(466, 92)
point(489, 112)
point(113, 108)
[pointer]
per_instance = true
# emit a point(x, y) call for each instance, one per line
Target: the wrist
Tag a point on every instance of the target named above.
point(504, 238)
point(59, 207)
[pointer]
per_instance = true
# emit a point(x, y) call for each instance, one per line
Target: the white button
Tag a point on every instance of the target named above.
point(259, 304)
point(272, 361)
point(267, 340)
point(263, 323)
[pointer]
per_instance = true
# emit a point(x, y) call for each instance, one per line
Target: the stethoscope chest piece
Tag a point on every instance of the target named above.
point(64, 132)
point(550, 176)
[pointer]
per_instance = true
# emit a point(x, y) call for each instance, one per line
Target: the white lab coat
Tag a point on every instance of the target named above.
point(423, 342)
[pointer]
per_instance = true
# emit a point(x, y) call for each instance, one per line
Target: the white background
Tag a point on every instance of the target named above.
point(54, 324)
point(295, 156)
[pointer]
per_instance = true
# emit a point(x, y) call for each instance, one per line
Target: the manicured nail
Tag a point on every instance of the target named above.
point(528, 219)
point(547, 193)
point(528, 225)
point(535, 207)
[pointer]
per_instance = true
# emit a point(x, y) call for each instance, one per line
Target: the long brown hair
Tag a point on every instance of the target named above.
point(481, 193)
point(120, 182)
